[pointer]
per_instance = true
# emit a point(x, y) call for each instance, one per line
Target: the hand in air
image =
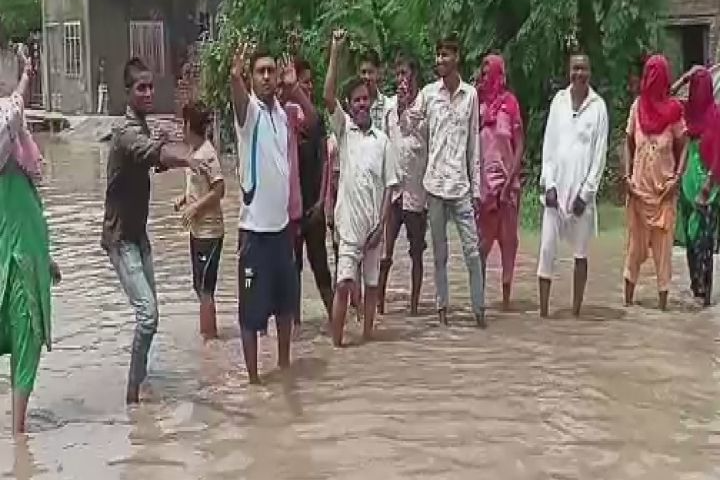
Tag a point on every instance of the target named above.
point(242, 54)
point(339, 37)
point(288, 75)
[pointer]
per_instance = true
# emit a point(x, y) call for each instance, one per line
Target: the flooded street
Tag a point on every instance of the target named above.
point(620, 394)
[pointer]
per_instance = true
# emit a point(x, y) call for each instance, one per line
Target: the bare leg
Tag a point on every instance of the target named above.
point(579, 282)
point(544, 287)
point(371, 299)
point(629, 292)
point(19, 410)
point(663, 301)
point(249, 341)
point(326, 294)
point(442, 316)
point(284, 332)
point(417, 278)
point(208, 318)
point(385, 265)
point(506, 291)
point(339, 309)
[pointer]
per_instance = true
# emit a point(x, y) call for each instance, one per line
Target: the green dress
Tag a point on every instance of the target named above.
point(688, 227)
point(697, 227)
point(25, 276)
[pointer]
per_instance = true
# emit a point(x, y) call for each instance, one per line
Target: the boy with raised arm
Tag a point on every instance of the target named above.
point(268, 283)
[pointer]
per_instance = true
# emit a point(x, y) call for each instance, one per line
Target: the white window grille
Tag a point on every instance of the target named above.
point(147, 42)
point(73, 49)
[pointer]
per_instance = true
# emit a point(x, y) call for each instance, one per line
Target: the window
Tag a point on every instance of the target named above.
point(147, 42)
point(73, 54)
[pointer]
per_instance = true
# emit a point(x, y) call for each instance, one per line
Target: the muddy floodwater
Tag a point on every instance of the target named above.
point(619, 394)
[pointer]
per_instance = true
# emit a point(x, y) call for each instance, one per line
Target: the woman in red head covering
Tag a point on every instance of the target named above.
point(699, 201)
point(497, 178)
point(655, 149)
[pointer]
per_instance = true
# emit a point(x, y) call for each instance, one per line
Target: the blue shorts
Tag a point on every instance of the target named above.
point(268, 283)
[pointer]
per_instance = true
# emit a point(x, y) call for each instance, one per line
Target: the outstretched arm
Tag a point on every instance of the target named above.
point(330, 96)
point(292, 92)
point(240, 95)
point(22, 86)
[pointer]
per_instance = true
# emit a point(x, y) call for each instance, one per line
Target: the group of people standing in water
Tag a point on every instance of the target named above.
point(445, 152)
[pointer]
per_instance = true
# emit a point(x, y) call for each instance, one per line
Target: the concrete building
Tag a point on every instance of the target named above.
point(693, 28)
point(81, 35)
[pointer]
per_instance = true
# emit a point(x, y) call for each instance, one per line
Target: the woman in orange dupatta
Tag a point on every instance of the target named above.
point(656, 151)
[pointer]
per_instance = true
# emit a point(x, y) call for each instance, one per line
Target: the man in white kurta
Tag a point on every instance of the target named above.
point(574, 151)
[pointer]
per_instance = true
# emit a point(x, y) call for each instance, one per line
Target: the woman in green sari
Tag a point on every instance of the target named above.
point(26, 270)
point(699, 203)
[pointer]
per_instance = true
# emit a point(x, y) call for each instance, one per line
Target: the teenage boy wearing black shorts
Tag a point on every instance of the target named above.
point(202, 214)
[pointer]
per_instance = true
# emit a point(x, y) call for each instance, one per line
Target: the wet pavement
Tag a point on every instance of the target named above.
point(619, 394)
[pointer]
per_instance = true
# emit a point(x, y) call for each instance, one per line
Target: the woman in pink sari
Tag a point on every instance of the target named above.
point(497, 179)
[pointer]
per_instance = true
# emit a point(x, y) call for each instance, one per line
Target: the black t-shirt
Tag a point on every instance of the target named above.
point(311, 156)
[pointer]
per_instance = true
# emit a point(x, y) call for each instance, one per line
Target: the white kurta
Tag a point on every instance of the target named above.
point(574, 153)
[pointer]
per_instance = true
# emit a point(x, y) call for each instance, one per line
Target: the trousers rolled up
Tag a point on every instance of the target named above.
point(460, 212)
point(134, 267)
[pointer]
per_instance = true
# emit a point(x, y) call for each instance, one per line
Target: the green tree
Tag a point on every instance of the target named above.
point(19, 18)
point(535, 36)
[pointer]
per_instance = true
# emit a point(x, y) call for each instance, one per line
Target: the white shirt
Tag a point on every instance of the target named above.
point(367, 168)
point(574, 149)
point(411, 145)
point(454, 136)
point(265, 195)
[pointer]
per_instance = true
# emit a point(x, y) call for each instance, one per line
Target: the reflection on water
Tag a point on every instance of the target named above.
point(621, 394)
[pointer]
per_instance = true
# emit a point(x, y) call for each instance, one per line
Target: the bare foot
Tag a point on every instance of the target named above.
point(132, 396)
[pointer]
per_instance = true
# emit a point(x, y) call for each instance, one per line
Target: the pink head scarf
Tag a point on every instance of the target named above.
point(657, 110)
point(493, 93)
point(702, 116)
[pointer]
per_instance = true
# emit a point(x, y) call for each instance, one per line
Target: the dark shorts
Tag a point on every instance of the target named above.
point(267, 279)
point(415, 226)
point(205, 256)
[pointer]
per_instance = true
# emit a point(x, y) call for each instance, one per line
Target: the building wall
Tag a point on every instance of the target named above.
point(698, 12)
point(109, 40)
point(69, 94)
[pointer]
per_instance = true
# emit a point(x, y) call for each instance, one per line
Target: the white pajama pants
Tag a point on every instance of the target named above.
point(557, 226)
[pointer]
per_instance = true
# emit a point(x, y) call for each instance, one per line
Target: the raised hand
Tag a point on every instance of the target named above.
point(242, 53)
point(288, 75)
point(339, 37)
point(25, 62)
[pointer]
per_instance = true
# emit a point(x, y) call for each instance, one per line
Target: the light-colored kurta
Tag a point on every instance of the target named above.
point(574, 154)
point(411, 145)
point(367, 167)
point(575, 149)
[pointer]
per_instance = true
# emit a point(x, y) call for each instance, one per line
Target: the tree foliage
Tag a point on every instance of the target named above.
point(19, 18)
point(535, 36)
